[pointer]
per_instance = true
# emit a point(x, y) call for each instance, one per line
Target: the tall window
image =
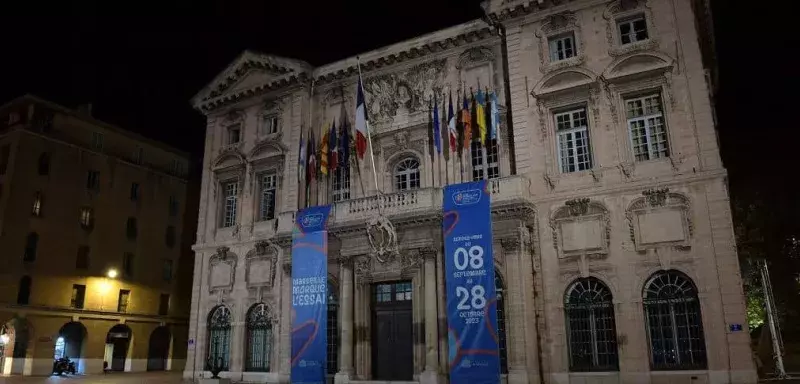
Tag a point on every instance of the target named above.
point(219, 336)
point(169, 237)
point(259, 339)
point(36, 209)
point(173, 206)
point(234, 134)
point(166, 270)
point(499, 288)
point(86, 217)
point(131, 228)
point(24, 292)
point(31, 244)
point(406, 174)
point(231, 190)
point(78, 296)
point(82, 258)
point(484, 166)
point(5, 152)
point(632, 30)
point(44, 164)
point(562, 47)
point(341, 183)
point(674, 325)
point(163, 304)
point(333, 330)
point(97, 141)
point(134, 191)
point(177, 167)
point(124, 300)
point(268, 184)
point(648, 132)
point(574, 151)
point(92, 180)
point(269, 125)
point(127, 264)
point(591, 333)
point(138, 155)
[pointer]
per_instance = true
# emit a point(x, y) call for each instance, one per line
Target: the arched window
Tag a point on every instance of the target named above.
point(406, 174)
point(24, 292)
point(219, 336)
point(259, 339)
point(31, 243)
point(501, 321)
point(674, 324)
point(333, 330)
point(44, 164)
point(591, 332)
point(131, 229)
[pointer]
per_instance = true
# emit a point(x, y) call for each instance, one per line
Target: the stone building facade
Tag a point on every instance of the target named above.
point(80, 198)
point(613, 239)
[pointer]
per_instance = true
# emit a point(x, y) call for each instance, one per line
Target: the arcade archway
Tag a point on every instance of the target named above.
point(158, 350)
point(118, 343)
point(15, 338)
point(71, 343)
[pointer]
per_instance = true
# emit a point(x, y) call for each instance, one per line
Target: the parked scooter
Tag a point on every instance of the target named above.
point(63, 365)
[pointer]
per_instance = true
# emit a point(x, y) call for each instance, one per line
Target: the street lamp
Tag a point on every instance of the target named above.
point(4, 339)
point(112, 273)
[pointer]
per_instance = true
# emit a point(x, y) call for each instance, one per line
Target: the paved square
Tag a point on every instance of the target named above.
point(111, 378)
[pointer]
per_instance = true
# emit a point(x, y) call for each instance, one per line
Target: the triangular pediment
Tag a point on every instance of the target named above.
point(635, 64)
point(564, 80)
point(248, 71)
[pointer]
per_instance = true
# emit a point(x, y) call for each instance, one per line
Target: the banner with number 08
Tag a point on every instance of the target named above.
point(473, 346)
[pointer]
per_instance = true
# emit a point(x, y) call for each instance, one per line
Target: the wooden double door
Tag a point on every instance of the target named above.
point(392, 332)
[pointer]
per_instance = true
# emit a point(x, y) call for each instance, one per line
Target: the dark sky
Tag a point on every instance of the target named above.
point(139, 72)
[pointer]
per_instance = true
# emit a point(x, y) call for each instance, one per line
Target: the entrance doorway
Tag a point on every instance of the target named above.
point(158, 351)
point(392, 332)
point(70, 343)
point(118, 341)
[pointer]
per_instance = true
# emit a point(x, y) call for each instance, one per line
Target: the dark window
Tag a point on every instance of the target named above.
point(78, 296)
point(219, 336)
point(673, 322)
point(92, 180)
point(31, 243)
point(173, 206)
point(333, 330)
point(36, 209)
point(234, 134)
point(134, 191)
point(632, 30)
point(268, 187)
point(591, 333)
point(24, 292)
point(124, 298)
point(163, 304)
point(44, 164)
point(86, 218)
point(5, 152)
point(82, 259)
point(259, 338)
point(131, 229)
point(127, 264)
point(170, 236)
point(166, 270)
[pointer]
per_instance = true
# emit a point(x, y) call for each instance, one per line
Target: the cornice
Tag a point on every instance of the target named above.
point(285, 81)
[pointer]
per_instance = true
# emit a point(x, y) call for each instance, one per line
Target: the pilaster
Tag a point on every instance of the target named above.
point(431, 373)
point(346, 338)
point(515, 309)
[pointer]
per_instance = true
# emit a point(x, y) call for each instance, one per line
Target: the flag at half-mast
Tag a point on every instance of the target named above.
point(362, 123)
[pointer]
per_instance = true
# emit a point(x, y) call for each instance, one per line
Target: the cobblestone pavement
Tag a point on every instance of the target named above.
point(111, 378)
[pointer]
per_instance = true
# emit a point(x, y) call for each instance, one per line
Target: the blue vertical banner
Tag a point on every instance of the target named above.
point(472, 336)
point(310, 295)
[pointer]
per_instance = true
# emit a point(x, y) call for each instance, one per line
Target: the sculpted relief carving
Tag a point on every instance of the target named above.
point(400, 93)
point(261, 265)
point(660, 219)
point(221, 272)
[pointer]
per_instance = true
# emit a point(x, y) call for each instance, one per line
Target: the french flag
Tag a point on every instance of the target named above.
point(362, 123)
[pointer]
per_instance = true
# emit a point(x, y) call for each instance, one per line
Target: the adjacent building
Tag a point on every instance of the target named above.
point(91, 227)
point(613, 240)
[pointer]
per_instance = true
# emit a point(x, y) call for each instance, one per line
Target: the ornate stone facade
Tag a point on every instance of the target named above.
point(622, 221)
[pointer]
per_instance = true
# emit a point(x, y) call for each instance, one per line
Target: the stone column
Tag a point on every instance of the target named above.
point(431, 373)
point(346, 329)
point(515, 312)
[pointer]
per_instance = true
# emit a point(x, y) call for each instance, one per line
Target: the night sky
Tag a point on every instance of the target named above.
point(139, 72)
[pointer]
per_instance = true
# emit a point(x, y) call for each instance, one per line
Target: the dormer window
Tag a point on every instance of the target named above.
point(632, 29)
point(269, 125)
point(234, 134)
point(562, 47)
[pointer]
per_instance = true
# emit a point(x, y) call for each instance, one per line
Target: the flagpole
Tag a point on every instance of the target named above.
point(369, 134)
point(355, 158)
point(310, 114)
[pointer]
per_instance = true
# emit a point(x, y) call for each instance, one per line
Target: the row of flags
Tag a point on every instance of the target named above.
point(477, 118)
